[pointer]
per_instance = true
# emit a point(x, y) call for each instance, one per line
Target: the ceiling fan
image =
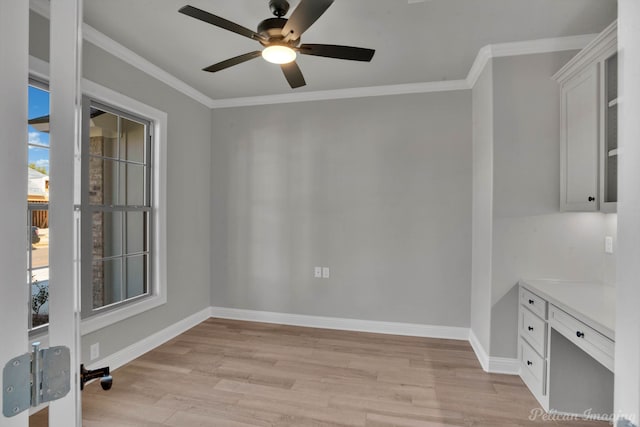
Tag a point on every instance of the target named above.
point(281, 38)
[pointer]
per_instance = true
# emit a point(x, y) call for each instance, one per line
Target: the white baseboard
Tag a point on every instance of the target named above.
point(504, 365)
point(481, 354)
point(494, 365)
point(489, 364)
point(127, 354)
point(393, 328)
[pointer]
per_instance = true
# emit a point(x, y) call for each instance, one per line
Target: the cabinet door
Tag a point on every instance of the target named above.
point(579, 142)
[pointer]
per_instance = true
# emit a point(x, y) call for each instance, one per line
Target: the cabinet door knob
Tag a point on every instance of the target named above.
point(592, 199)
point(580, 334)
point(531, 302)
point(530, 328)
point(529, 362)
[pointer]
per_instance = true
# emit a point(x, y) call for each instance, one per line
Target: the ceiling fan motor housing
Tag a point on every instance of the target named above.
point(271, 28)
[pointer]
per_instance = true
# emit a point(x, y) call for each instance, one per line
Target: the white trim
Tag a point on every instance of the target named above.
point(38, 68)
point(100, 40)
point(529, 47)
point(107, 44)
point(147, 344)
point(480, 352)
point(504, 365)
point(104, 42)
point(600, 46)
point(374, 326)
point(360, 92)
point(159, 249)
point(493, 365)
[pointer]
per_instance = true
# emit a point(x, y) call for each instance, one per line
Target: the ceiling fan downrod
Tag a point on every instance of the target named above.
point(279, 7)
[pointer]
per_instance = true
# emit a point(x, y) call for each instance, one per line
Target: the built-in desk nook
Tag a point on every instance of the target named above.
point(566, 345)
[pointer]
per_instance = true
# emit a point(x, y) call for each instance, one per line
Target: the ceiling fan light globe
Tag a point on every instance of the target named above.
point(278, 54)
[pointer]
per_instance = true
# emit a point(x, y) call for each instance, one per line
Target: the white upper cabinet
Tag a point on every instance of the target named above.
point(588, 123)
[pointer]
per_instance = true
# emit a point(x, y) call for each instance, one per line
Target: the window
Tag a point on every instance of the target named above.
point(122, 207)
point(117, 207)
point(37, 205)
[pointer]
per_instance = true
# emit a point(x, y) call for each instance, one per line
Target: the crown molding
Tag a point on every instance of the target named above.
point(361, 92)
point(109, 45)
point(123, 53)
point(600, 47)
point(486, 53)
point(529, 47)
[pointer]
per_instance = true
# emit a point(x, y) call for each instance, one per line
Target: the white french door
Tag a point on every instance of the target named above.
point(64, 310)
point(14, 33)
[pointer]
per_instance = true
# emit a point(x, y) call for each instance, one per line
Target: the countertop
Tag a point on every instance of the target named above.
point(592, 303)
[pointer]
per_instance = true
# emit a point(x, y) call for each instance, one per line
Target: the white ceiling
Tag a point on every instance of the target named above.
point(428, 41)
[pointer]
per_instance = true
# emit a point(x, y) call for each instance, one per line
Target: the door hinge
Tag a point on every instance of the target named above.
point(34, 378)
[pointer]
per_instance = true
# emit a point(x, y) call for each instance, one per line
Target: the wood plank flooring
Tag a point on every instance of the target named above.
point(226, 373)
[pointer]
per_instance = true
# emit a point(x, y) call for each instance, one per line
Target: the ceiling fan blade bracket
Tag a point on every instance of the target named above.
point(307, 12)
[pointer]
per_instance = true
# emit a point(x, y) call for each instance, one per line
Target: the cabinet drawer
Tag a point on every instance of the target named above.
point(588, 339)
point(534, 330)
point(533, 303)
point(532, 369)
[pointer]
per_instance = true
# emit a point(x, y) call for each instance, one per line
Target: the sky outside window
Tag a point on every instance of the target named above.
point(38, 107)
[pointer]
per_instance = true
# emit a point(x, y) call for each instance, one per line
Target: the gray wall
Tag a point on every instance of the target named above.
point(627, 368)
point(482, 106)
point(377, 189)
point(531, 238)
point(188, 203)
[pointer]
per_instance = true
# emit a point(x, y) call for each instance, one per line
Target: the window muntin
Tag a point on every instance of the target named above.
point(117, 204)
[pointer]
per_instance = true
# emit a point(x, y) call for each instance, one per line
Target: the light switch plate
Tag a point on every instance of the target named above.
point(608, 244)
point(95, 351)
point(317, 272)
point(325, 272)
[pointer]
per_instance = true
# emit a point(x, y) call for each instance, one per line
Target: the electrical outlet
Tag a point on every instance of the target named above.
point(95, 351)
point(608, 244)
point(317, 272)
point(325, 272)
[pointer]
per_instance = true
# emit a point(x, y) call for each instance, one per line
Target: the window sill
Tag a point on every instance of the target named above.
point(108, 318)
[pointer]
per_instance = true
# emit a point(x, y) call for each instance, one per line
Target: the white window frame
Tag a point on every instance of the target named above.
point(158, 283)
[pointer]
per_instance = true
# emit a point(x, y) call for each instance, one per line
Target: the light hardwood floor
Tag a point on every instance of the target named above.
point(238, 374)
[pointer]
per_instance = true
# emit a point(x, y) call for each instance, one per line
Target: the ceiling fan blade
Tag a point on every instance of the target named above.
point(212, 19)
point(340, 52)
point(293, 74)
point(307, 12)
point(232, 61)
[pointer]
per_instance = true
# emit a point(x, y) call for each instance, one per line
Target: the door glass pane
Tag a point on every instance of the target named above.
point(37, 233)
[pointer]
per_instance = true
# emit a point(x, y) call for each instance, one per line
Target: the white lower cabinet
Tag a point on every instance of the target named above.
point(532, 344)
point(566, 364)
point(533, 369)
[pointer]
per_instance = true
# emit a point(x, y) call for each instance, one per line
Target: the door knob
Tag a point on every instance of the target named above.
point(592, 199)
